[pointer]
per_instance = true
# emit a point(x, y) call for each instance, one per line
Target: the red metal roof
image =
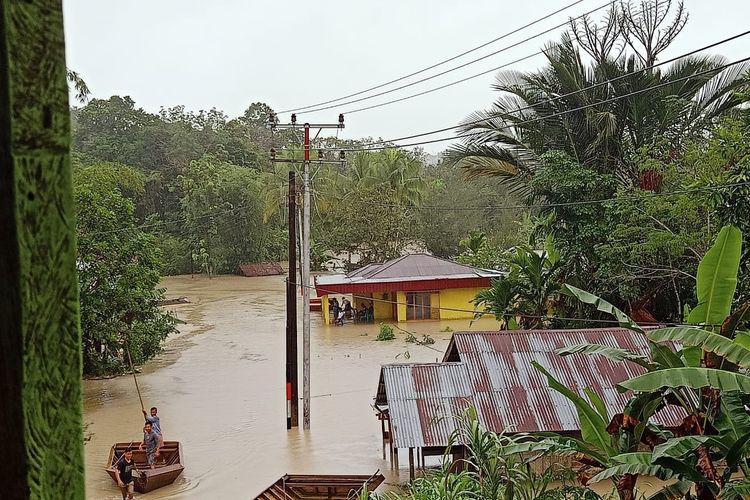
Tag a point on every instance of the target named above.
point(513, 396)
point(400, 286)
point(492, 371)
point(414, 272)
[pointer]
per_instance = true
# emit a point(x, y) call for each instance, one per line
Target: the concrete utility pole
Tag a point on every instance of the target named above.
point(305, 251)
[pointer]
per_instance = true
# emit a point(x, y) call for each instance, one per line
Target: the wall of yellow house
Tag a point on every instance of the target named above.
point(457, 298)
point(382, 308)
point(326, 311)
point(401, 307)
point(435, 305)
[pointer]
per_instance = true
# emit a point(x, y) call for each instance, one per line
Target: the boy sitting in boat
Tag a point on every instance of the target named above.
point(152, 442)
point(124, 474)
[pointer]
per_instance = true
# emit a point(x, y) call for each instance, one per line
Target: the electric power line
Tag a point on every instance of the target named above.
point(365, 147)
point(563, 96)
point(440, 63)
point(455, 68)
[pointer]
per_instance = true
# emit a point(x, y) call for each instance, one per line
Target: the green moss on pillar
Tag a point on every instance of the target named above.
point(40, 380)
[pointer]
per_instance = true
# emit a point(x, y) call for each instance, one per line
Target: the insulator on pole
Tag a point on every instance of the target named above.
point(273, 153)
point(320, 154)
point(341, 119)
point(272, 119)
point(342, 155)
point(294, 118)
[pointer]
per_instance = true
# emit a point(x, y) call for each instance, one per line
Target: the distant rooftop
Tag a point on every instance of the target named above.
point(407, 268)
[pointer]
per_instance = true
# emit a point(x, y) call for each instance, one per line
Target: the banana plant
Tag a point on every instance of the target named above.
point(701, 367)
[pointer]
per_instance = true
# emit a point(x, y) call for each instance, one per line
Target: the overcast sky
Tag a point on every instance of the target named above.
point(230, 53)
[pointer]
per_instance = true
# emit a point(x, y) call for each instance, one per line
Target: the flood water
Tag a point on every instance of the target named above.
point(220, 389)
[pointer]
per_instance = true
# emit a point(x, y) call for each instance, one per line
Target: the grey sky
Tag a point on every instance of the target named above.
point(229, 53)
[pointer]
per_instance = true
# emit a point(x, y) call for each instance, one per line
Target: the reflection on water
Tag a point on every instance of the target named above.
point(219, 387)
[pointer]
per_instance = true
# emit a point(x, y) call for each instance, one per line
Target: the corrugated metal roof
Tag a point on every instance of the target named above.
point(424, 401)
point(416, 271)
point(418, 265)
point(512, 396)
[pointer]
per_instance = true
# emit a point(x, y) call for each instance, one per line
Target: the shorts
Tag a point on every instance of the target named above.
point(128, 488)
point(151, 457)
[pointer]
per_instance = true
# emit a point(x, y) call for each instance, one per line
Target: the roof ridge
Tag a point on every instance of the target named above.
point(547, 331)
point(388, 264)
point(429, 363)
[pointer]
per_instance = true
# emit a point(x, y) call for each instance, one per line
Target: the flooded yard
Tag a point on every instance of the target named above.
point(220, 389)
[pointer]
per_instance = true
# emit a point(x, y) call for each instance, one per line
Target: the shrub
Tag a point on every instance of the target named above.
point(386, 332)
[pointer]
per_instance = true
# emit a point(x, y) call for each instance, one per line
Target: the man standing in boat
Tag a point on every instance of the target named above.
point(152, 442)
point(155, 422)
point(124, 474)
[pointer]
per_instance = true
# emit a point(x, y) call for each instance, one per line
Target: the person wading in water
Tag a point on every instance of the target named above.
point(124, 474)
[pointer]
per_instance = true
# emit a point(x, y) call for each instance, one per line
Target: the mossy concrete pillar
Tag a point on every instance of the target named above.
point(41, 450)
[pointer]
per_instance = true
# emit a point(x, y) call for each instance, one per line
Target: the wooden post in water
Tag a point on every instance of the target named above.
point(292, 392)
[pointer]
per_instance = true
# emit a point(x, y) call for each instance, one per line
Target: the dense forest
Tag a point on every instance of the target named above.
point(603, 169)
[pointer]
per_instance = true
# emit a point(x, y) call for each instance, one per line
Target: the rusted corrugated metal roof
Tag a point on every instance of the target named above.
point(251, 269)
point(492, 371)
point(424, 401)
point(513, 396)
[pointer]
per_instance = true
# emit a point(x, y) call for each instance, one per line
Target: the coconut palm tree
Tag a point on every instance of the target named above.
point(586, 102)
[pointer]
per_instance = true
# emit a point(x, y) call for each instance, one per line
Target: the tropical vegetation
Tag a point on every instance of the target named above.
point(610, 168)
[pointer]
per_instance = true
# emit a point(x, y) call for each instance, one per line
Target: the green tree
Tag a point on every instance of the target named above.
point(705, 376)
point(222, 215)
point(118, 269)
point(528, 296)
point(587, 109)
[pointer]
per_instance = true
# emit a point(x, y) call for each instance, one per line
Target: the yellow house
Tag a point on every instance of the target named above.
point(411, 287)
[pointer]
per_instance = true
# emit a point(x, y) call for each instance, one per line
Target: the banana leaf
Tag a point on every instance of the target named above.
point(736, 490)
point(597, 402)
point(743, 339)
point(673, 491)
point(717, 278)
point(740, 316)
point(732, 423)
point(558, 445)
point(678, 447)
point(687, 377)
point(637, 457)
point(601, 305)
point(662, 473)
point(613, 353)
point(593, 426)
point(707, 341)
point(665, 357)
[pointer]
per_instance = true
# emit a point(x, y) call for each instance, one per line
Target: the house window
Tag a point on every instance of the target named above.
point(418, 305)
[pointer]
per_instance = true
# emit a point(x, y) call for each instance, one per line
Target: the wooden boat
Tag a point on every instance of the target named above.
point(169, 465)
point(309, 487)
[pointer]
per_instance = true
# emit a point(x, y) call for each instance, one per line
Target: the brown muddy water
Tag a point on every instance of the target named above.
point(219, 386)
